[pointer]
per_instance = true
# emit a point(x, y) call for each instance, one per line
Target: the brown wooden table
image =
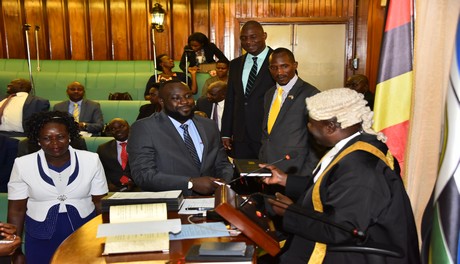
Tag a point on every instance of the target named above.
point(83, 247)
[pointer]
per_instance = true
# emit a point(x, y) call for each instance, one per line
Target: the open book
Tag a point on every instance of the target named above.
point(138, 228)
point(173, 199)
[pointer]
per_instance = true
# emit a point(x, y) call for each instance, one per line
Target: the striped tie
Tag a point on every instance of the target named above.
point(274, 109)
point(190, 146)
point(252, 78)
point(76, 112)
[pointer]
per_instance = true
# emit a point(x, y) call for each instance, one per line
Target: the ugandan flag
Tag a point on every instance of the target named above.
point(394, 82)
point(444, 246)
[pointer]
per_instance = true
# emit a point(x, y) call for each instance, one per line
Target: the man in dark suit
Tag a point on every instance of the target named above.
point(13, 123)
point(8, 150)
point(114, 157)
point(87, 113)
point(248, 81)
point(175, 150)
point(154, 106)
point(213, 103)
point(285, 120)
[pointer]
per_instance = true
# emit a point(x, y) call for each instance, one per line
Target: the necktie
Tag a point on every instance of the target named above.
point(274, 109)
point(252, 78)
point(123, 155)
point(2, 108)
point(190, 146)
point(76, 112)
point(215, 115)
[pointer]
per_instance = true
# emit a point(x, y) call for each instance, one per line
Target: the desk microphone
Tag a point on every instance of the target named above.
point(290, 155)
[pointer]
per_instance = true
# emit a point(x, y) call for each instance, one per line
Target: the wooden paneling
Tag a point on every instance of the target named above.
point(120, 29)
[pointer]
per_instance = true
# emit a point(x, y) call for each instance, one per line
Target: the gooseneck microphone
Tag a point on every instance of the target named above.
point(290, 155)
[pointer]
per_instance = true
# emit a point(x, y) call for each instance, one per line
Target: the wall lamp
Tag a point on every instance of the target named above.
point(158, 17)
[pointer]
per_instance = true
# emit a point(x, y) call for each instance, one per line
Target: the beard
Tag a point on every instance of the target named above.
point(177, 116)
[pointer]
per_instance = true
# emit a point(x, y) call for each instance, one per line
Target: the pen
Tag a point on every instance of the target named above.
point(199, 208)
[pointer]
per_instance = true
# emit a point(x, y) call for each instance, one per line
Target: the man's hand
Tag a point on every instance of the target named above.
point(193, 69)
point(8, 231)
point(278, 177)
point(227, 142)
point(281, 203)
point(204, 185)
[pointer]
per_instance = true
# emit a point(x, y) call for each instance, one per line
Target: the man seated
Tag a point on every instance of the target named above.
point(87, 113)
point(175, 150)
point(213, 103)
point(221, 74)
point(355, 192)
point(153, 107)
point(13, 123)
point(114, 157)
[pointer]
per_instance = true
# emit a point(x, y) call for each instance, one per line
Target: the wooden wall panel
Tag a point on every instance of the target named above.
point(99, 30)
point(140, 30)
point(120, 29)
point(78, 25)
point(58, 36)
point(13, 37)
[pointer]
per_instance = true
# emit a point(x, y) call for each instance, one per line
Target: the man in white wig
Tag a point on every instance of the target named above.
point(355, 196)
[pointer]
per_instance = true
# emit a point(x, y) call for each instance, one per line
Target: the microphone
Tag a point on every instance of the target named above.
point(355, 232)
point(188, 49)
point(290, 155)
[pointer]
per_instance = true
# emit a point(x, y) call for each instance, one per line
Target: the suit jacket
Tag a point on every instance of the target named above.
point(160, 160)
point(113, 170)
point(32, 105)
point(90, 113)
point(242, 117)
point(8, 150)
point(203, 105)
point(289, 133)
point(359, 191)
point(147, 110)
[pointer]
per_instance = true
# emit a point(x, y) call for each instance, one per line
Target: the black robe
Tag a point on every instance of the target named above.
point(359, 191)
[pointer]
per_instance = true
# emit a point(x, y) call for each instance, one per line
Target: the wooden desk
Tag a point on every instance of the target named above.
point(83, 247)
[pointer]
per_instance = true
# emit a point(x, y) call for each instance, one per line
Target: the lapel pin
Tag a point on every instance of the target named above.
point(291, 97)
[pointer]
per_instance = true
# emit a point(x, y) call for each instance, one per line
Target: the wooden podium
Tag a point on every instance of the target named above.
point(245, 216)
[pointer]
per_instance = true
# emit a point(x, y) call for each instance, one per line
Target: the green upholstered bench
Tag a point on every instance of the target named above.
point(127, 110)
point(99, 77)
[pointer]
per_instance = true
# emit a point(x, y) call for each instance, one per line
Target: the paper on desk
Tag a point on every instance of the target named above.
point(196, 203)
point(214, 229)
point(149, 227)
point(146, 195)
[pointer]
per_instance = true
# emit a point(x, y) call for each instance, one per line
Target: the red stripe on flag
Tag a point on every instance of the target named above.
point(399, 13)
point(396, 141)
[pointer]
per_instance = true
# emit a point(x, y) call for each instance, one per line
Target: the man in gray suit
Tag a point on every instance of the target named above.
point(87, 113)
point(285, 129)
point(175, 150)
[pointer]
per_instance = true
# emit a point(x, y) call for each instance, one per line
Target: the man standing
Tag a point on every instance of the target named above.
point(355, 196)
point(114, 157)
point(13, 123)
point(87, 113)
point(213, 103)
point(286, 117)
point(248, 81)
point(175, 150)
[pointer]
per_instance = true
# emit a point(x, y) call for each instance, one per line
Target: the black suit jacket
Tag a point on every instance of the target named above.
point(8, 151)
point(203, 105)
point(242, 118)
point(109, 159)
point(289, 133)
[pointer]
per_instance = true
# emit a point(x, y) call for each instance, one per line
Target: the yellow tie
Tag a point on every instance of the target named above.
point(274, 109)
point(76, 112)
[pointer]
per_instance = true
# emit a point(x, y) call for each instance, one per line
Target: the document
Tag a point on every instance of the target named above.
point(138, 228)
point(146, 195)
point(214, 229)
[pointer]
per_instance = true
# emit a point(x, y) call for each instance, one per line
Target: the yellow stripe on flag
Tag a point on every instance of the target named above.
point(391, 105)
